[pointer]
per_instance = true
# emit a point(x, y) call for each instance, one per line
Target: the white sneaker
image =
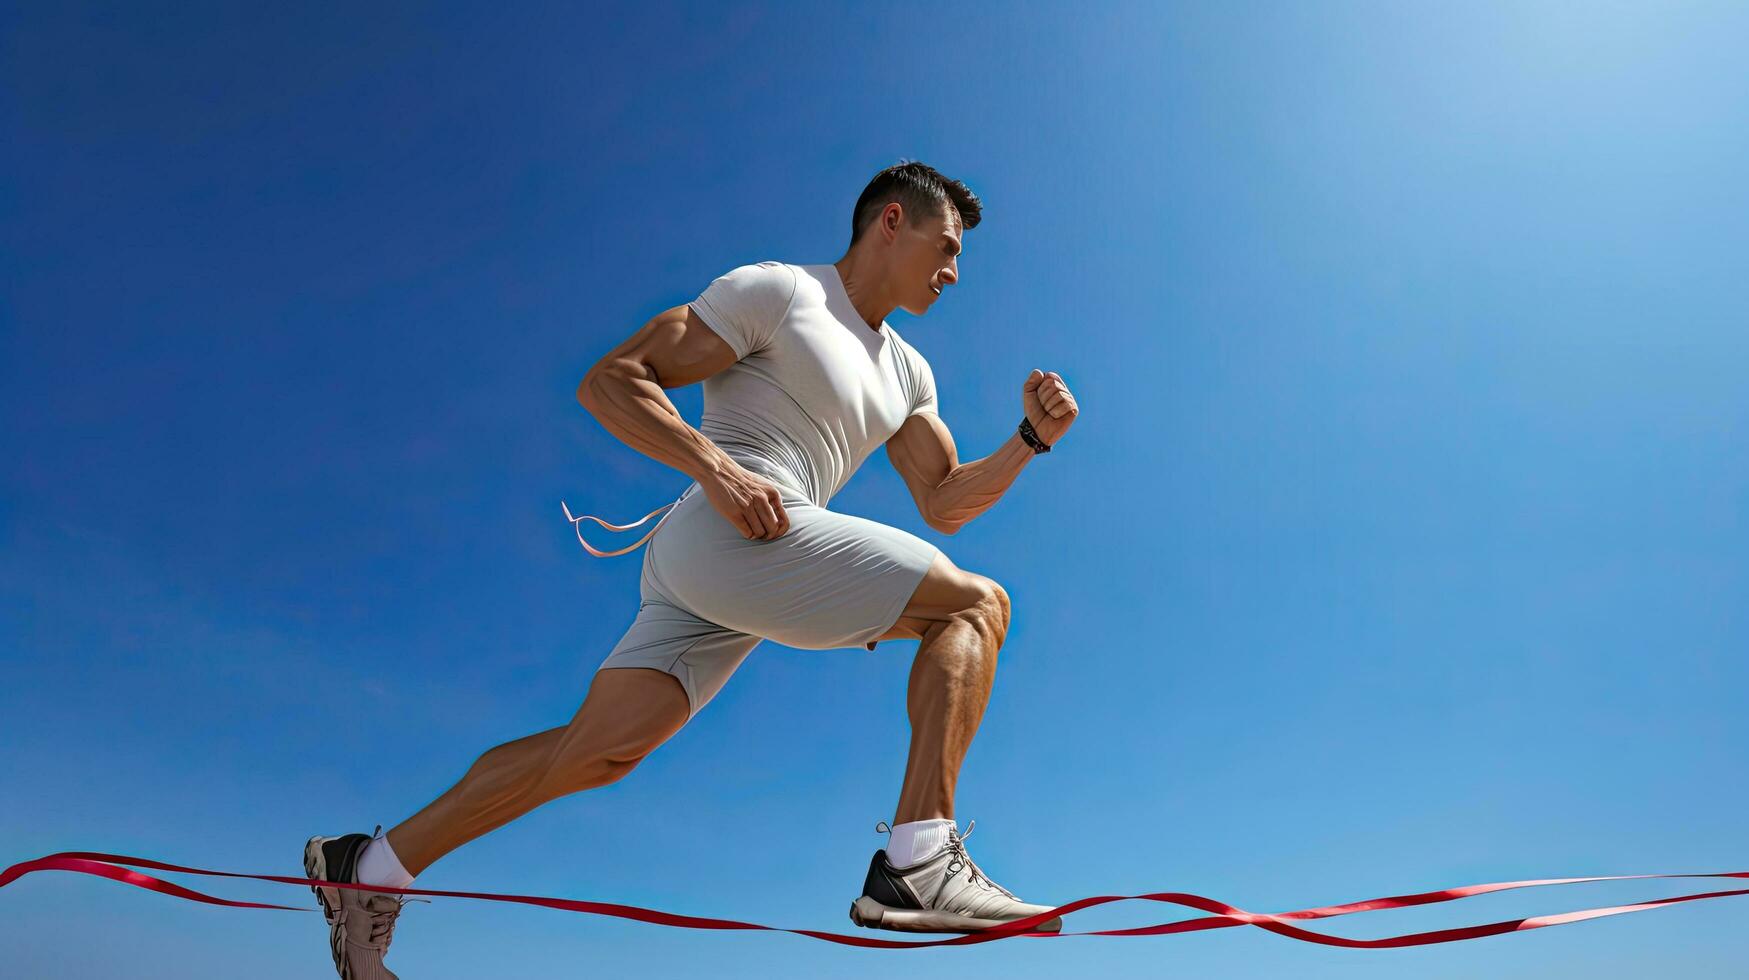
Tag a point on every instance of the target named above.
point(946, 893)
point(361, 924)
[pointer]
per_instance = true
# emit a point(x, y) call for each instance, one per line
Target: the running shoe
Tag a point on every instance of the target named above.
point(946, 893)
point(360, 923)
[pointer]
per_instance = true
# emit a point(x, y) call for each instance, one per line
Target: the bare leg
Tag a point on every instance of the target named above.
point(962, 620)
point(628, 712)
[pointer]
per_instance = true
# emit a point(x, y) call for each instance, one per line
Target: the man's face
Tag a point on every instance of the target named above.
point(926, 261)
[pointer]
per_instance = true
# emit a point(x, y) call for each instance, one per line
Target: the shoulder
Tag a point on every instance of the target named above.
point(913, 366)
point(767, 280)
point(748, 304)
point(811, 284)
point(761, 290)
point(903, 347)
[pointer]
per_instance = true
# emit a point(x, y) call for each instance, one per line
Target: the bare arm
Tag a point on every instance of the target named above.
point(950, 493)
point(624, 391)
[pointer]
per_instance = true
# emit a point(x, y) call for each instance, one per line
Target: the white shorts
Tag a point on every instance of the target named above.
point(710, 594)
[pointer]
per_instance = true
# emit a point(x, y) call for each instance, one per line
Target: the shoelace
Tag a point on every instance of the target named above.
point(963, 859)
point(382, 920)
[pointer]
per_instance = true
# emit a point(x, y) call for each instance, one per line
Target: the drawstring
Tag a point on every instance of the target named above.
point(576, 521)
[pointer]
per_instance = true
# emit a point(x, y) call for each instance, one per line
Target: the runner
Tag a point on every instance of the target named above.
point(803, 379)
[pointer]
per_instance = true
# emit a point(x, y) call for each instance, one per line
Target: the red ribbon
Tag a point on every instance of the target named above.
point(109, 866)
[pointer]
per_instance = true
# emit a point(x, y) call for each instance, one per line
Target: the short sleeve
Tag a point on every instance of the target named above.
point(746, 305)
point(923, 401)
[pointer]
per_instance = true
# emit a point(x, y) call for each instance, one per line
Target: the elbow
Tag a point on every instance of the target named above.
point(587, 389)
point(933, 516)
point(607, 373)
point(943, 526)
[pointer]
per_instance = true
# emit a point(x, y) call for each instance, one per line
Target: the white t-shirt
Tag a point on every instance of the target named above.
point(815, 389)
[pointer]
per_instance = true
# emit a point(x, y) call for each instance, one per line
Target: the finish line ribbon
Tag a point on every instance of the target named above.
point(110, 866)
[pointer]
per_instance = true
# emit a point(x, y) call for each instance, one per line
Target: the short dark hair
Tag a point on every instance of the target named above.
point(920, 189)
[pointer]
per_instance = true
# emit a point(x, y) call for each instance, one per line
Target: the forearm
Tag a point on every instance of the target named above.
point(636, 410)
point(972, 488)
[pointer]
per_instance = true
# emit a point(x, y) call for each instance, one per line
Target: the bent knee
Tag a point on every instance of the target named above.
point(613, 770)
point(991, 604)
point(612, 765)
point(568, 776)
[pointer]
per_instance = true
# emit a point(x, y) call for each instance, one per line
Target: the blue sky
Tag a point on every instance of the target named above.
point(1399, 544)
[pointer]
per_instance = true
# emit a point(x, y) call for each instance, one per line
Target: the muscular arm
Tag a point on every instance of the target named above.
point(624, 390)
point(950, 493)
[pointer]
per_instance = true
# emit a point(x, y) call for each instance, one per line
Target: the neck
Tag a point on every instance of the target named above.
point(871, 307)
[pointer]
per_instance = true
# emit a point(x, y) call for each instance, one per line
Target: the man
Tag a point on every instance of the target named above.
point(803, 379)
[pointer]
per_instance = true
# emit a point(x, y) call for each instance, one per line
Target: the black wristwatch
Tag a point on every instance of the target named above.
point(1026, 432)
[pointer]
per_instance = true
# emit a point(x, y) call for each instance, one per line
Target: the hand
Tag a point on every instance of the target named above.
point(752, 503)
point(1048, 405)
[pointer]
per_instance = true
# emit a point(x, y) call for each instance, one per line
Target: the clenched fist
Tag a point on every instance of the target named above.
point(749, 501)
point(1048, 405)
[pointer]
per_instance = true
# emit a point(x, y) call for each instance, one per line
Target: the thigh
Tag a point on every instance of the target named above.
point(700, 654)
point(627, 714)
point(832, 580)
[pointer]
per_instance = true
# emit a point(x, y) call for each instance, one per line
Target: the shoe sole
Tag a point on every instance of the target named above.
point(316, 866)
point(870, 914)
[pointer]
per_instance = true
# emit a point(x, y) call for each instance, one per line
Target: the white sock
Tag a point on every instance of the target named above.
point(378, 865)
point(916, 842)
